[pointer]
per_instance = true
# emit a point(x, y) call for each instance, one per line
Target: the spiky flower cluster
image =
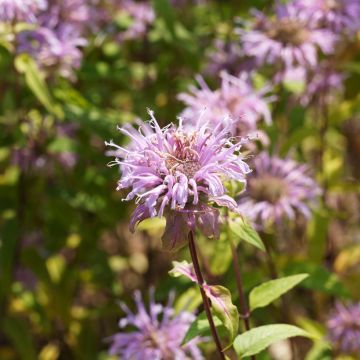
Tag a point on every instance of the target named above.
point(338, 15)
point(20, 10)
point(290, 39)
point(322, 85)
point(235, 102)
point(277, 188)
point(344, 328)
point(55, 43)
point(225, 56)
point(158, 333)
point(179, 174)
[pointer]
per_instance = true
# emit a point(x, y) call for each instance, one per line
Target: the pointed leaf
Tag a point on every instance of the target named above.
point(223, 308)
point(269, 291)
point(244, 231)
point(219, 296)
point(35, 81)
point(254, 341)
point(183, 268)
point(201, 327)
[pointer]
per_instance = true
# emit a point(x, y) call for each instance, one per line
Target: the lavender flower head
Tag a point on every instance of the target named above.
point(277, 188)
point(337, 15)
point(56, 43)
point(289, 39)
point(20, 10)
point(158, 333)
point(225, 56)
point(322, 85)
point(344, 328)
point(142, 16)
point(55, 50)
point(179, 174)
point(236, 101)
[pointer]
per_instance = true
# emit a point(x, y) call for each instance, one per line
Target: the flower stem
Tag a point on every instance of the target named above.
point(244, 309)
point(200, 279)
point(285, 313)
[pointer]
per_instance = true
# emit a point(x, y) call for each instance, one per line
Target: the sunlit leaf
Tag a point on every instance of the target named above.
point(269, 291)
point(35, 81)
point(244, 231)
point(258, 339)
point(201, 327)
point(320, 279)
point(224, 309)
point(219, 296)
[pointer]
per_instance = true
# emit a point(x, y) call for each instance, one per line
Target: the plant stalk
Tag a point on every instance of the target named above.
point(244, 309)
point(206, 302)
point(284, 303)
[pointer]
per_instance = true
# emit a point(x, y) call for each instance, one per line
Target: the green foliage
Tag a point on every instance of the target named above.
point(201, 327)
point(224, 309)
point(219, 296)
point(256, 340)
point(320, 279)
point(36, 83)
point(269, 291)
point(243, 230)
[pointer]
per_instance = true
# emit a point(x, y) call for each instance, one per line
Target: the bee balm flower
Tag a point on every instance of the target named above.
point(152, 337)
point(337, 15)
point(179, 174)
point(278, 188)
point(290, 39)
point(20, 10)
point(236, 101)
point(344, 328)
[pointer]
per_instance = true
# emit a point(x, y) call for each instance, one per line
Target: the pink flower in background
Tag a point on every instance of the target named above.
point(277, 188)
point(344, 328)
point(20, 10)
point(179, 174)
point(338, 15)
point(142, 16)
point(57, 41)
point(54, 49)
point(226, 56)
point(289, 39)
point(236, 102)
point(156, 333)
point(323, 84)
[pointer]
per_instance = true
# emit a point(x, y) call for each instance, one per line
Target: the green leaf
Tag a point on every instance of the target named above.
point(219, 255)
point(316, 329)
point(165, 11)
point(224, 309)
point(189, 299)
point(317, 231)
point(26, 65)
point(219, 296)
point(320, 278)
point(254, 341)
point(20, 335)
point(269, 291)
point(243, 229)
point(9, 233)
point(201, 327)
point(320, 351)
point(183, 268)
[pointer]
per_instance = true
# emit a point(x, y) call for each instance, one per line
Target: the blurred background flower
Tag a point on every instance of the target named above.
point(344, 328)
point(158, 333)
